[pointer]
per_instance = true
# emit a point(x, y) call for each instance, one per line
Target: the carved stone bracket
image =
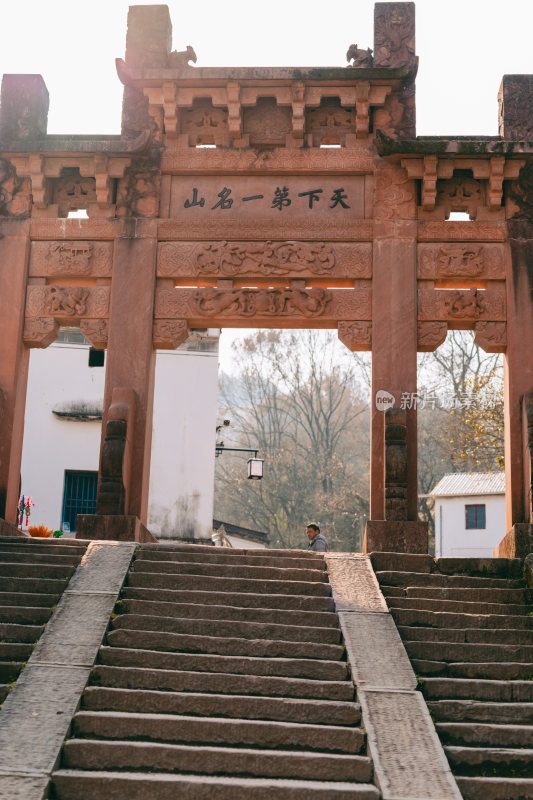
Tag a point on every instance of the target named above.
point(356, 334)
point(362, 109)
point(95, 331)
point(298, 111)
point(40, 332)
point(234, 110)
point(168, 334)
point(491, 336)
point(170, 109)
point(431, 335)
point(429, 183)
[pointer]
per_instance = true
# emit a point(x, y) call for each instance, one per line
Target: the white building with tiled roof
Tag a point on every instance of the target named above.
point(469, 514)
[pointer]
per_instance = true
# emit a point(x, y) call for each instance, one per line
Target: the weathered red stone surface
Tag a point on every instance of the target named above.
point(115, 527)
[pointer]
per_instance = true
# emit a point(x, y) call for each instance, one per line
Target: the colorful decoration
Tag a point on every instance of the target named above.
point(24, 510)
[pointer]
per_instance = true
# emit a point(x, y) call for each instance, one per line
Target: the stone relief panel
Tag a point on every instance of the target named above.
point(168, 334)
point(138, 191)
point(394, 34)
point(440, 231)
point(330, 122)
point(393, 195)
point(15, 198)
point(356, 334)
point(491, 336)
point(95, 331)
point(516, 107)
point(40, 332)
point(460, 193)
point(396, 464)
point(271, 259)
point(460, 261)
point(301, 160)
point(267, 123)
point(431, 335)
point(204, 123)
point(67, 301)
point(72, 193)
point(283, 307)
point(397, 118)
point(76, 258)
point(461, 305)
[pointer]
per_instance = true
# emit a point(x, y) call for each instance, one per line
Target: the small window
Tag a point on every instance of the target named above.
point(475, 517)
point(96, 357)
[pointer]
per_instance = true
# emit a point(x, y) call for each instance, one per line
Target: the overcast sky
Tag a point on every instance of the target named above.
point(465, 46)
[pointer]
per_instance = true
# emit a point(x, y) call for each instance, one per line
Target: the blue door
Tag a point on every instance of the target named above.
point(79, 496)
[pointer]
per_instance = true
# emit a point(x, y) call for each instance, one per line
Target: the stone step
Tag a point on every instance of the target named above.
point(496, 788)
point(10, 670)
point(445, 619)
point(36, 544)
point(467, 635)
point(24, 615)
point(20, 633)
point(33, 585)
point(154, 757)
point(516, 596)
point(184, 643)
point(230, 558)
point(230, 571)
point(79, 785)
point(436, 579)
point(320, 619)
point(498, 691)
point(18, 651)
point(499, 671)
point(482, 567)
point(419, 603)
point(512, 762)
point(182, 729)
point(201, 662)
point(33, 570)
point(485, 735)
point(29, 599)
point(29, 556)
point(136, 591)
point(207, 550)
point(230, 684)
point(5, 688)
point(313, 712)
point(456, 651)
point(475, 711)
point(158, 580)
point(227, 628)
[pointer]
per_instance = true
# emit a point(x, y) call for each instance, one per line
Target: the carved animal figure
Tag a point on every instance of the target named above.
point(69, 301)
point(358, 57)
point(179, 59)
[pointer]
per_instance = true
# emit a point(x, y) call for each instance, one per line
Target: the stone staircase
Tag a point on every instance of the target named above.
point(223, 675)
point(33, 576)
point(468, 630)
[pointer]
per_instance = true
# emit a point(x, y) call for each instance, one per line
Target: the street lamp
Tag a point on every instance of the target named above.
point(255, 465)
point(255, 468)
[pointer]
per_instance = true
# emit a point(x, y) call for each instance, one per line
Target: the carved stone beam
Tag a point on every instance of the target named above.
point(168, 334)
point(431, 335)
point(356, 334)
point(170, 109)
point(362, 115)
point(298, 110)
point(234, 110)
point(491, 336)
point(40, 332)
point(95, 331)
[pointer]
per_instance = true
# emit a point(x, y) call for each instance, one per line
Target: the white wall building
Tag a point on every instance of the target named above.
point(62, 434)
point(469, 514)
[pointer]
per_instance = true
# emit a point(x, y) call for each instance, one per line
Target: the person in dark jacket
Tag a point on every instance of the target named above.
point(316, 541)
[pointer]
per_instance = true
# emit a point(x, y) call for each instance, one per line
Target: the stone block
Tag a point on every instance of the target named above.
point(353, 584)
point(395, 536)
point(149, 37)
point(515, 107)
point(24, 787)
point(517, 543)
point(102, 569)
point(110, 527)
point(23, 108)
point(8, 529)
point(394, 34)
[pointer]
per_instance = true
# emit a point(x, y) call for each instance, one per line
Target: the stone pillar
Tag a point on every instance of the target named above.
point(130, 354)
point(149, 37)
point(14, 358)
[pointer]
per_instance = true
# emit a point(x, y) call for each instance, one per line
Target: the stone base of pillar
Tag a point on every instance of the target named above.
point(116, 528)
point(517, 543)
point(8, 529)
point(395, 536)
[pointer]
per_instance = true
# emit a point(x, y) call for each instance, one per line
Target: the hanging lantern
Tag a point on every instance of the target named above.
point(255, 468)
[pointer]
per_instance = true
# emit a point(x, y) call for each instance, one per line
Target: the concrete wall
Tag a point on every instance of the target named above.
point(183, 443)
point(451, 536)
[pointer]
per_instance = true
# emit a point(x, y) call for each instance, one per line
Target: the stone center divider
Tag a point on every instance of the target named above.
point(409, 761)
point(36, 715)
